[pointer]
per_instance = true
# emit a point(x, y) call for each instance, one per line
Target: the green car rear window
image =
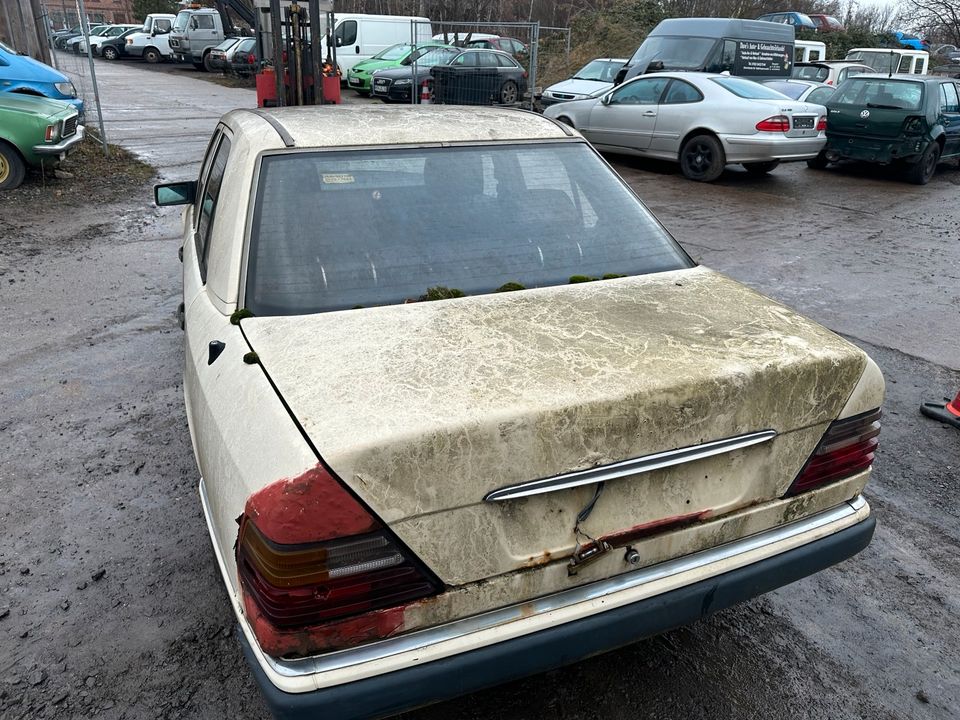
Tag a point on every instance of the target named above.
point(880, 93)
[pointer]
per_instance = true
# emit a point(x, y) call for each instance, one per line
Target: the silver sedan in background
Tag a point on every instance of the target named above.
point(701, 120)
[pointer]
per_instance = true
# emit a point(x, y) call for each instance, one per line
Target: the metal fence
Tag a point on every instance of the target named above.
point(462, 63)
point(79, 67)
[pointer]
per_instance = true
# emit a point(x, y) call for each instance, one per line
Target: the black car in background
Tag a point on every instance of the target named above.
point(396, 84)
point(114, 48)
point(479, 77)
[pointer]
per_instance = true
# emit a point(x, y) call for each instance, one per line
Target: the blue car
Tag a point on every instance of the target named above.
point(22, 74)
point(911, 41)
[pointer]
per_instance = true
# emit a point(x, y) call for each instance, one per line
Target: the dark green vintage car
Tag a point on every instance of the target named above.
point(906, 120)
point(34, 131)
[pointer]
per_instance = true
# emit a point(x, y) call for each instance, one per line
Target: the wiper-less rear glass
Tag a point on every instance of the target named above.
point(338, 230)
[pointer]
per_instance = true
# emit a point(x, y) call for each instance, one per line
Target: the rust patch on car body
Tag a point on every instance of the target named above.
point(337, 635)
point(622, 537)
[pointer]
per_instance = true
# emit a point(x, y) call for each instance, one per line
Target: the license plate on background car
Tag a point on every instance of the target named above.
point(354, 81)
point(381, 83)
point(803, 123)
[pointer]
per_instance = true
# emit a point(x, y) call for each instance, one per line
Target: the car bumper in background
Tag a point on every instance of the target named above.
point(757, 148)
point(358, 83)
point(442, 662)
point(878, 150)
point(64, 147)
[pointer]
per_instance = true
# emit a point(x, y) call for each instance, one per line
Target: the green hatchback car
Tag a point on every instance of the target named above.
point(34, 131)
point(909, 121)
point(360, 75)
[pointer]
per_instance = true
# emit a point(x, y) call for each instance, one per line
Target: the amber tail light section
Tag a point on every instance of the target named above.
point(348, 564)
point(847, 448)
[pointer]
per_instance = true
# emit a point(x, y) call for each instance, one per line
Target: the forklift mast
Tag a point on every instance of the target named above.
point(240, 8)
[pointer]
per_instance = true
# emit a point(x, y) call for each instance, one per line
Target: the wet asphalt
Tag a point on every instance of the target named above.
point(110, 601)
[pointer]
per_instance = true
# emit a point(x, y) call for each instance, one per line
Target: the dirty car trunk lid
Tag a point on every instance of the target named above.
point(423, 409)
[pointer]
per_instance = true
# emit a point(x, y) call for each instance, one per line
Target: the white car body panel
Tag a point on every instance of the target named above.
point(375, 33)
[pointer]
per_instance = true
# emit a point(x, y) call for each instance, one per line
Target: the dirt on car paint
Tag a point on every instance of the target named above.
point(111, 602)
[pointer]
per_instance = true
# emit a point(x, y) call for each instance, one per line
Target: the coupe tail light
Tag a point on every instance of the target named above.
point(335, 559)
point(846, 448)
point(822, 123)
point(777, 123)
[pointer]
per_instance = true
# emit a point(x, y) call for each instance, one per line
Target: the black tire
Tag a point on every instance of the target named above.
point(702, 158)
point(198, 67)
point(761, 168)
point(920, 172)
point(12, 167)
point(110, 53)
point(509, 93)
point(152, 55)
point(565, 120)
point(206, 64)
point(820, 162)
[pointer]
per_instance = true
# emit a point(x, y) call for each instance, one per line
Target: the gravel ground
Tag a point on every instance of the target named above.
point(110, 601)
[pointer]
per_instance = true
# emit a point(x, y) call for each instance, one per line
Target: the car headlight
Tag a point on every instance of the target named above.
point(404, 82)
point(66, 88)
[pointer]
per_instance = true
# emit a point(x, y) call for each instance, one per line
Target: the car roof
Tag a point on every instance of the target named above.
point(334, 126)
point(898, 76)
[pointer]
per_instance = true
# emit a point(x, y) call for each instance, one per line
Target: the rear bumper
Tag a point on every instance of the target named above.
point(751, 148)
point(878, 150)
point(842, 533)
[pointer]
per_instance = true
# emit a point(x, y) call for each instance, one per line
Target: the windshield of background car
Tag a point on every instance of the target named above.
point(394, 52)
point(879, 60)
point(601, 70)
point(437, 56)
point(817, 73)
point(180, 24)
point(338, 230)
point(676, 53)
point(747, 89)
point(879, 93)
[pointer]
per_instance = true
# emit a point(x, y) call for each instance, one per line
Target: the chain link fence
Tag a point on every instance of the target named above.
point(465, 63)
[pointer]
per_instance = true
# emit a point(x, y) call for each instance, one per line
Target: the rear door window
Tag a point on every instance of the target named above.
point(681, 92)
point(949, 102)
point(208, 203)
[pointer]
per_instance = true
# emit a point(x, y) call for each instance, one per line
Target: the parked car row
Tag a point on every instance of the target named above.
point(706, 121)
point(34, 131)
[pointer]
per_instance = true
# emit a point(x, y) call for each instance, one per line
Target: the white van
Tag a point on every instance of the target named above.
point(805, 51)
point(892, 60)
point(360, 37)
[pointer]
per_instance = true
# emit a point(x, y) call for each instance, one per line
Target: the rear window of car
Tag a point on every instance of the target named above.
point(791, 90)
point(345, 229)
point(747, 89)
point(881, 93)
point(817, 73)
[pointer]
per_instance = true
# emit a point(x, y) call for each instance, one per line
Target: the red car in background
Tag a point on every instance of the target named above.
point(827, 23)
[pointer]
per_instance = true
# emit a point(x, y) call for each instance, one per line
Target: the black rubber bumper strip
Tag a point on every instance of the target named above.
point(394, 692)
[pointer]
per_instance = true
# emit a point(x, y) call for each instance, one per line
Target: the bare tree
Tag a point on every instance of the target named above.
point(937, 18)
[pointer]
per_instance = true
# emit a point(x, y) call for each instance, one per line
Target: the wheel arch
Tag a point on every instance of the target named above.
point(693, 133)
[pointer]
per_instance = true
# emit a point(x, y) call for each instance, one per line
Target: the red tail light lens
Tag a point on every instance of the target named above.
point(822, 123)
point(777, 123)
point(846, 448)
point(251, 59)
point(335, 559)
point(914, 126)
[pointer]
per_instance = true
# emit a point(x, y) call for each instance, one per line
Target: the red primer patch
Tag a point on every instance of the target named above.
point(311, 507)
point(311, 640)
point(621, 537)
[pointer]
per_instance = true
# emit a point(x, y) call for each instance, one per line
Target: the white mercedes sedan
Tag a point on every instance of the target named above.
point(701, 120)
point(463, 411)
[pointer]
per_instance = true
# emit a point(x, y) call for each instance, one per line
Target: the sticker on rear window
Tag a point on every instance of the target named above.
point(338, 179)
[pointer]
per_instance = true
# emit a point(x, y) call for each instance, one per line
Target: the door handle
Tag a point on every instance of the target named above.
point(649, 113)
point(356, 49)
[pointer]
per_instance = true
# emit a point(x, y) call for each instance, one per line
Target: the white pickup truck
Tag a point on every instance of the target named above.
point(152, 43)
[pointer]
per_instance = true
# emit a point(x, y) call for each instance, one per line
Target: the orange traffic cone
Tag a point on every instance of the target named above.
point(425, 94)
point(948, 412)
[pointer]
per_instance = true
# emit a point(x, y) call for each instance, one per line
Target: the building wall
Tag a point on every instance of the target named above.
point(111, 11)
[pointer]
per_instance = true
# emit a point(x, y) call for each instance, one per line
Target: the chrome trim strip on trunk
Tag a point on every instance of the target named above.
point(634, 466)
point(420, 639)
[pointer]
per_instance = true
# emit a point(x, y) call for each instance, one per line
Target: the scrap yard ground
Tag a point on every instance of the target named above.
point(110, 600)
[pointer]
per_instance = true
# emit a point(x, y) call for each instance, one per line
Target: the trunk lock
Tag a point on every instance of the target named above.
point(631, 557)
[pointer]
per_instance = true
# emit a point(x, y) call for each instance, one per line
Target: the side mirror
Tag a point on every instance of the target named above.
point(181, 193)
point(339, 42)
point(605, 100)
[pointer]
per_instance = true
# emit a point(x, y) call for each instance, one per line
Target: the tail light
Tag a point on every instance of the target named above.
point(525, 75)
point(822, 123)
point(846, 449)
point(308, 553)
point(251, 59)
point(915, 125)
point(777, 123)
